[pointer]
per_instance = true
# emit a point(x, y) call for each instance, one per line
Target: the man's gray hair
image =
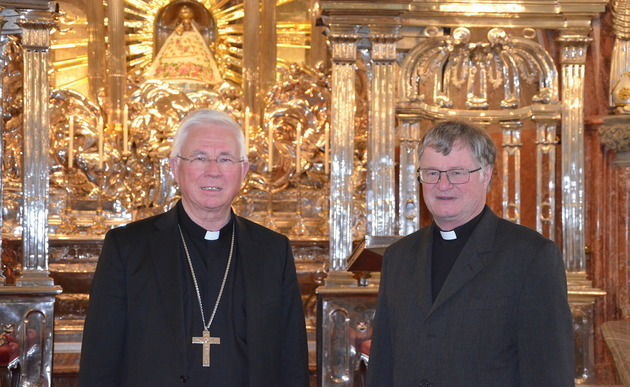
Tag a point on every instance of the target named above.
point(207, 117)
point(443, 135)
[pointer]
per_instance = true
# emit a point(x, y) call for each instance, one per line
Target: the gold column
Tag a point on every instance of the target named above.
point(117, 58)
point(259, 53)
point(96, 47)
point(268, 54)
point(251, 52)
point(574, 44)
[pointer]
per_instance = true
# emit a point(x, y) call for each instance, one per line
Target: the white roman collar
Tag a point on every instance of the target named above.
point(212, 235)
point(448, 235)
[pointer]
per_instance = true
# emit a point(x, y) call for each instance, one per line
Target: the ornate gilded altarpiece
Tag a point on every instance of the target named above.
point(91, 97)
point(119, 76)
point(109, 166)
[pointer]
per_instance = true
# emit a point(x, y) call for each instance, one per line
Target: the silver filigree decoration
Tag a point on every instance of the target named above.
point(443, 65)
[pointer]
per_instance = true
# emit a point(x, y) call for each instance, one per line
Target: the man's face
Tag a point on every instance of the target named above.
point(454, 204)
point(208, 189)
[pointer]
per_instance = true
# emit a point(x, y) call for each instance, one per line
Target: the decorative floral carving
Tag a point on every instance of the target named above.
point(615, 136)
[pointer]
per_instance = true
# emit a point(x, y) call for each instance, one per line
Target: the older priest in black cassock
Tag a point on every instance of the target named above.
point(197, 295)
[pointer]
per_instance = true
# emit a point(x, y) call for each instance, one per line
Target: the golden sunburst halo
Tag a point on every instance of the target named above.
point(228, 46)
point(69, 42)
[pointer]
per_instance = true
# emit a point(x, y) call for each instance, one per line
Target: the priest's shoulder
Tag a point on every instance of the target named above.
point(527, 236)
point(411, 241)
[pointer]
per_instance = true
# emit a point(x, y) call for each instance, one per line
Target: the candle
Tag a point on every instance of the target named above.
point(298, 150)
point(326, 147)
point(100, 144)
point(125, 129)
point(70, 141)
point(270, 150)
point(247, 130)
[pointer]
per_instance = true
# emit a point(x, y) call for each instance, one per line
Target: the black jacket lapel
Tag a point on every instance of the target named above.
point(249, 255)
point(423, 269)
point(166, 249)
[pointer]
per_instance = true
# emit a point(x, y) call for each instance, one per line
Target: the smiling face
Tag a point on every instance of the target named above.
point(208, 190)
point(453, 205)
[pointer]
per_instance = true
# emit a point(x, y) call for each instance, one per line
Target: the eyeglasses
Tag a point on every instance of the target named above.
point(223, 162)
point(454, 176)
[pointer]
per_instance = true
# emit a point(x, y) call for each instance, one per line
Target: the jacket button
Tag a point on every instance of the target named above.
point(424, 383)
point(183, 378)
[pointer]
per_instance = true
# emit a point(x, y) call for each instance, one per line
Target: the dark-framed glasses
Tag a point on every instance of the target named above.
point(223, 162)
point(454, 176)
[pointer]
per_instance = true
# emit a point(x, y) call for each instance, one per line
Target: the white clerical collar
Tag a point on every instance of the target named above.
point(212, 235)
point(448, 235)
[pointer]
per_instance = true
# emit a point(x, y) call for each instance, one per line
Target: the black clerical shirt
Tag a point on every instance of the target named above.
point(228, 360)
point(445, 252)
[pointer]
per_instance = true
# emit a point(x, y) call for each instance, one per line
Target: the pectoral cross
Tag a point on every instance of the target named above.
point(206, 340)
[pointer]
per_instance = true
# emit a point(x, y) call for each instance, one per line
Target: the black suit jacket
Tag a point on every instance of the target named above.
point(501, 318)
point(134, 329)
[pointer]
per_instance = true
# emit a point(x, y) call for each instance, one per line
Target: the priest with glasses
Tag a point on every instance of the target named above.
point(197, 295)
point(472, 299)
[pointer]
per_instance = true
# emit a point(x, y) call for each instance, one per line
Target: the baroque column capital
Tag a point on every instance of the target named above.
point(614, 134)
point(343, 39)
point(574, 43)
point(36, 26)
point(384, 40)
